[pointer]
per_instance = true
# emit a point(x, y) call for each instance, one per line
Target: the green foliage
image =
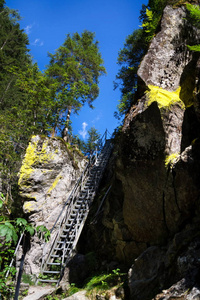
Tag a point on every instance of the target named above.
point(151, 16)
point(6, 253)
point(129, 59)
point(92, 141)
point(195, 48)
point(8, 231)
point(73, 289)
point(74, 71)
point(2, 200)
point(35, 103)
point(27, 278)
point(194, 13)
point(135, 48)
point(105, 281)
point(23, 101)
point(43, 232)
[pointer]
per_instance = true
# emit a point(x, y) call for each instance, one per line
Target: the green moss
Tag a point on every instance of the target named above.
point(170, 159)
point(163, 97)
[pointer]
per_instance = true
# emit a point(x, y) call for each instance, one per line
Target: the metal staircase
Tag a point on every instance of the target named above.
point(71, 220)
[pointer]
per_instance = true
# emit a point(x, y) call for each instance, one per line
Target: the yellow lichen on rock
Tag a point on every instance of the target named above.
point(29, 206)
point(163, 97)
point(170, 159)
point(43, 156)
point(29, 159)
point(34, 156)
point(54, 183)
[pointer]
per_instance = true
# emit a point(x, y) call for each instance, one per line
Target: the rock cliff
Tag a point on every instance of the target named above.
point(152, 210)
point(49, 171)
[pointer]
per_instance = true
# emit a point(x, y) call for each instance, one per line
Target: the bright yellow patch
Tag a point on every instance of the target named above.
point(29, 159)
point(54, 183)
point(163, 97)
point(170, 159)
point(29, 207)
point(34, 156)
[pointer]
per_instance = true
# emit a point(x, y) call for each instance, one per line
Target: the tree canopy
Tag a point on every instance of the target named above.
point(92, 141)
point(74, 70)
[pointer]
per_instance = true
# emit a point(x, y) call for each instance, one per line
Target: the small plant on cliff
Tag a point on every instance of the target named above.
point(105, 281)
point(194, 11)
point(43, 233)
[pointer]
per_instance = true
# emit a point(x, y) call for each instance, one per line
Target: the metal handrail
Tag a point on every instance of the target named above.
point(76, 232)
point(16, 249)
point(70, 200)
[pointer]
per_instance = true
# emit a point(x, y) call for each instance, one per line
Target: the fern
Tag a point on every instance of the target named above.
point(194, 11)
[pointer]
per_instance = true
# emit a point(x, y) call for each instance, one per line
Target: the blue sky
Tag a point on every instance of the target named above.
point(48, 21)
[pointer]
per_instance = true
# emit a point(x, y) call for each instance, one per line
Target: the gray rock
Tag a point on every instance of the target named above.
point(155, 184)
point(78, 296)
point(168, 55)
point(145, 273)
point(46, 178)
point(37, 293)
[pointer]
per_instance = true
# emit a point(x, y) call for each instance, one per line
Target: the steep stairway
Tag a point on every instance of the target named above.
point(69, 225)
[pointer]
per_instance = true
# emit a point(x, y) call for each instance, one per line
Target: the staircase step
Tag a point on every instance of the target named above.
point(63, 236)
point(78, 202)
point(58, 249)
point(55, 256)
point(54, 264)
point(73, 215)
point(51, 272)
point(48, 280)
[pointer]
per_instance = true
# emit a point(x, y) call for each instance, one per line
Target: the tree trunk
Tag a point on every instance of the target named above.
point(66, 129)
point(8, 86)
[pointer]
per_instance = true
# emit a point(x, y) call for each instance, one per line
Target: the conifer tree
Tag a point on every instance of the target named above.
point(92, 141)
point(74, 71)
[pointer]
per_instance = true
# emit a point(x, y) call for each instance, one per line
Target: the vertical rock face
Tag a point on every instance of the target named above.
point(158, 160)
point(168, 56)
point(48, 173)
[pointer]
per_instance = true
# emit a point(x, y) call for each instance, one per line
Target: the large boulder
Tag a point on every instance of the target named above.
point(48, 173)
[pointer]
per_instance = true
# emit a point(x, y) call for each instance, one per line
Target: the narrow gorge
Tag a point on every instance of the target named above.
point(145, 218)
